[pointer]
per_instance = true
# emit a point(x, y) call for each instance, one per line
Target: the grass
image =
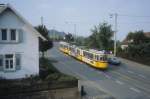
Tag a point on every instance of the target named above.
point(51, 73)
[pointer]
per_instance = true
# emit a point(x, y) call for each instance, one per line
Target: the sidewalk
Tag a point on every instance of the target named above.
point(92, 92)
point(132, 63)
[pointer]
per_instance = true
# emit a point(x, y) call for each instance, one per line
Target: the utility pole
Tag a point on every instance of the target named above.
point(75, 31)
point(74, 27)
point(115, 32)
point(54, 34)
point(115, 35)
point(42, 20)
point(66, 22)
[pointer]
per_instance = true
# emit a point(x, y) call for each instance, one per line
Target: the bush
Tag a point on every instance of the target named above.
point(46, 64)
point(64, 77)
point(53, 76)
point(139, 53)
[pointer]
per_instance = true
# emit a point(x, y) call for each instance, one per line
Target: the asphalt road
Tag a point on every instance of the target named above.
point(122, 82)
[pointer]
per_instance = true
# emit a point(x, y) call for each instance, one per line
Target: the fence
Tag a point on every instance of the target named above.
point(15, 88)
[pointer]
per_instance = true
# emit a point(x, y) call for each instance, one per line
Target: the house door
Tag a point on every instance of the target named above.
point(9, 62)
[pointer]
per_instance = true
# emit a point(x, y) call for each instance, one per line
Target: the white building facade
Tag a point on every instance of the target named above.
point(19, 45)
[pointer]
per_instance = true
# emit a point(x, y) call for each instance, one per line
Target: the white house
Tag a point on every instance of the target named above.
point(19, 45)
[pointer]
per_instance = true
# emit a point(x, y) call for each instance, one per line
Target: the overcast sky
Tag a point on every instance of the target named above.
point(63, 14)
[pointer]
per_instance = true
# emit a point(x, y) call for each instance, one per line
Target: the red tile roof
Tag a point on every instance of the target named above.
point(147, 34)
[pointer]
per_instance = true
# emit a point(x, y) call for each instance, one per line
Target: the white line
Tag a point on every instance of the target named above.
point(130, 71)
point(107, 76)
point(142, 76)
point(119, 82)
point(134, 89)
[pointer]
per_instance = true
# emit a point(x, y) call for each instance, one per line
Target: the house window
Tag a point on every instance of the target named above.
point(4, 34)
point(13, 34)
point(9, 35)
point(9, 62)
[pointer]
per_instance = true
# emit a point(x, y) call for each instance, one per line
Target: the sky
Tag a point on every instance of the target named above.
point(63, 15)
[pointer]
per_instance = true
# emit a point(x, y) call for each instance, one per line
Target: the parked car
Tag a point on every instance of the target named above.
point(114, 61)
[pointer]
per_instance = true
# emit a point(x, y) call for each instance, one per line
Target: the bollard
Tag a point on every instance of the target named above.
point(82, 91)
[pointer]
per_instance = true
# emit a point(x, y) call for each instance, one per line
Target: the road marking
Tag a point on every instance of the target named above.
point(106, 75)
point(130, 71)
point(124, 77)
point(119, 82)
point(141, 76)
point(134, 89)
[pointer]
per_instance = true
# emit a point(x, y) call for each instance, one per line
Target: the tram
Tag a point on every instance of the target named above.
point(96, 59)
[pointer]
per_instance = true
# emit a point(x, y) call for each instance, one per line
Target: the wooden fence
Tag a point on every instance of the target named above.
point(22, 87)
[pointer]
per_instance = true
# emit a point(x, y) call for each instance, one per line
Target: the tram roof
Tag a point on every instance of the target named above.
point(65, 43)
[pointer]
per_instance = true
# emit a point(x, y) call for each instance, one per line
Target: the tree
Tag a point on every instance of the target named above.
point(101, 37)
point(80, 40)
point(69, 37)
point(137, 37)
point(44, 45)
point(92, 40)
point(42, 30)
point(139, 45)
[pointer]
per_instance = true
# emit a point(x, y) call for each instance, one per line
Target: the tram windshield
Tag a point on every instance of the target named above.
point(101, 57)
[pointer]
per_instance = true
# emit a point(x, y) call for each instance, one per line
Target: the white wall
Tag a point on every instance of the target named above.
point(28, 47)
point(124, 47)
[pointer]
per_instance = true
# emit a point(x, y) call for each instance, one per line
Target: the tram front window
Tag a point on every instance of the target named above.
point(102, 58)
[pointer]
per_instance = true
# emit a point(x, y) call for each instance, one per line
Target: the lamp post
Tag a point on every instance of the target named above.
point(115, 15)
point(74, 26)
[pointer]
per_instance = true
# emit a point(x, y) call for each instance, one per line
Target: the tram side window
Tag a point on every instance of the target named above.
point(72, 49)
point(96, 57)
point(90, 55)
point(102, 58)
point(105, 57)
point(85, 54)
point(78, 52)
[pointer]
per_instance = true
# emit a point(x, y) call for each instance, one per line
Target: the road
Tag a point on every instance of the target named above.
point(122, 82)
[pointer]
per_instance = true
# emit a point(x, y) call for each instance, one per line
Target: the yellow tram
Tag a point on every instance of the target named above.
point(64, 47)
point(96, 59)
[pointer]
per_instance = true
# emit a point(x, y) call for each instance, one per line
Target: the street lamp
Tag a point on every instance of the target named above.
point(115, 32)
point(74, 26)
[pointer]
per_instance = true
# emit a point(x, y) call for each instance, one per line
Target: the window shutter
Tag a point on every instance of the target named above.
point(1, 62)
point(18, 61)
point(20, 35)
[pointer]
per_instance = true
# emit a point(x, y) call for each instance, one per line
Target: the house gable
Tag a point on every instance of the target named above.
point(4, 8)
point(8, 19)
